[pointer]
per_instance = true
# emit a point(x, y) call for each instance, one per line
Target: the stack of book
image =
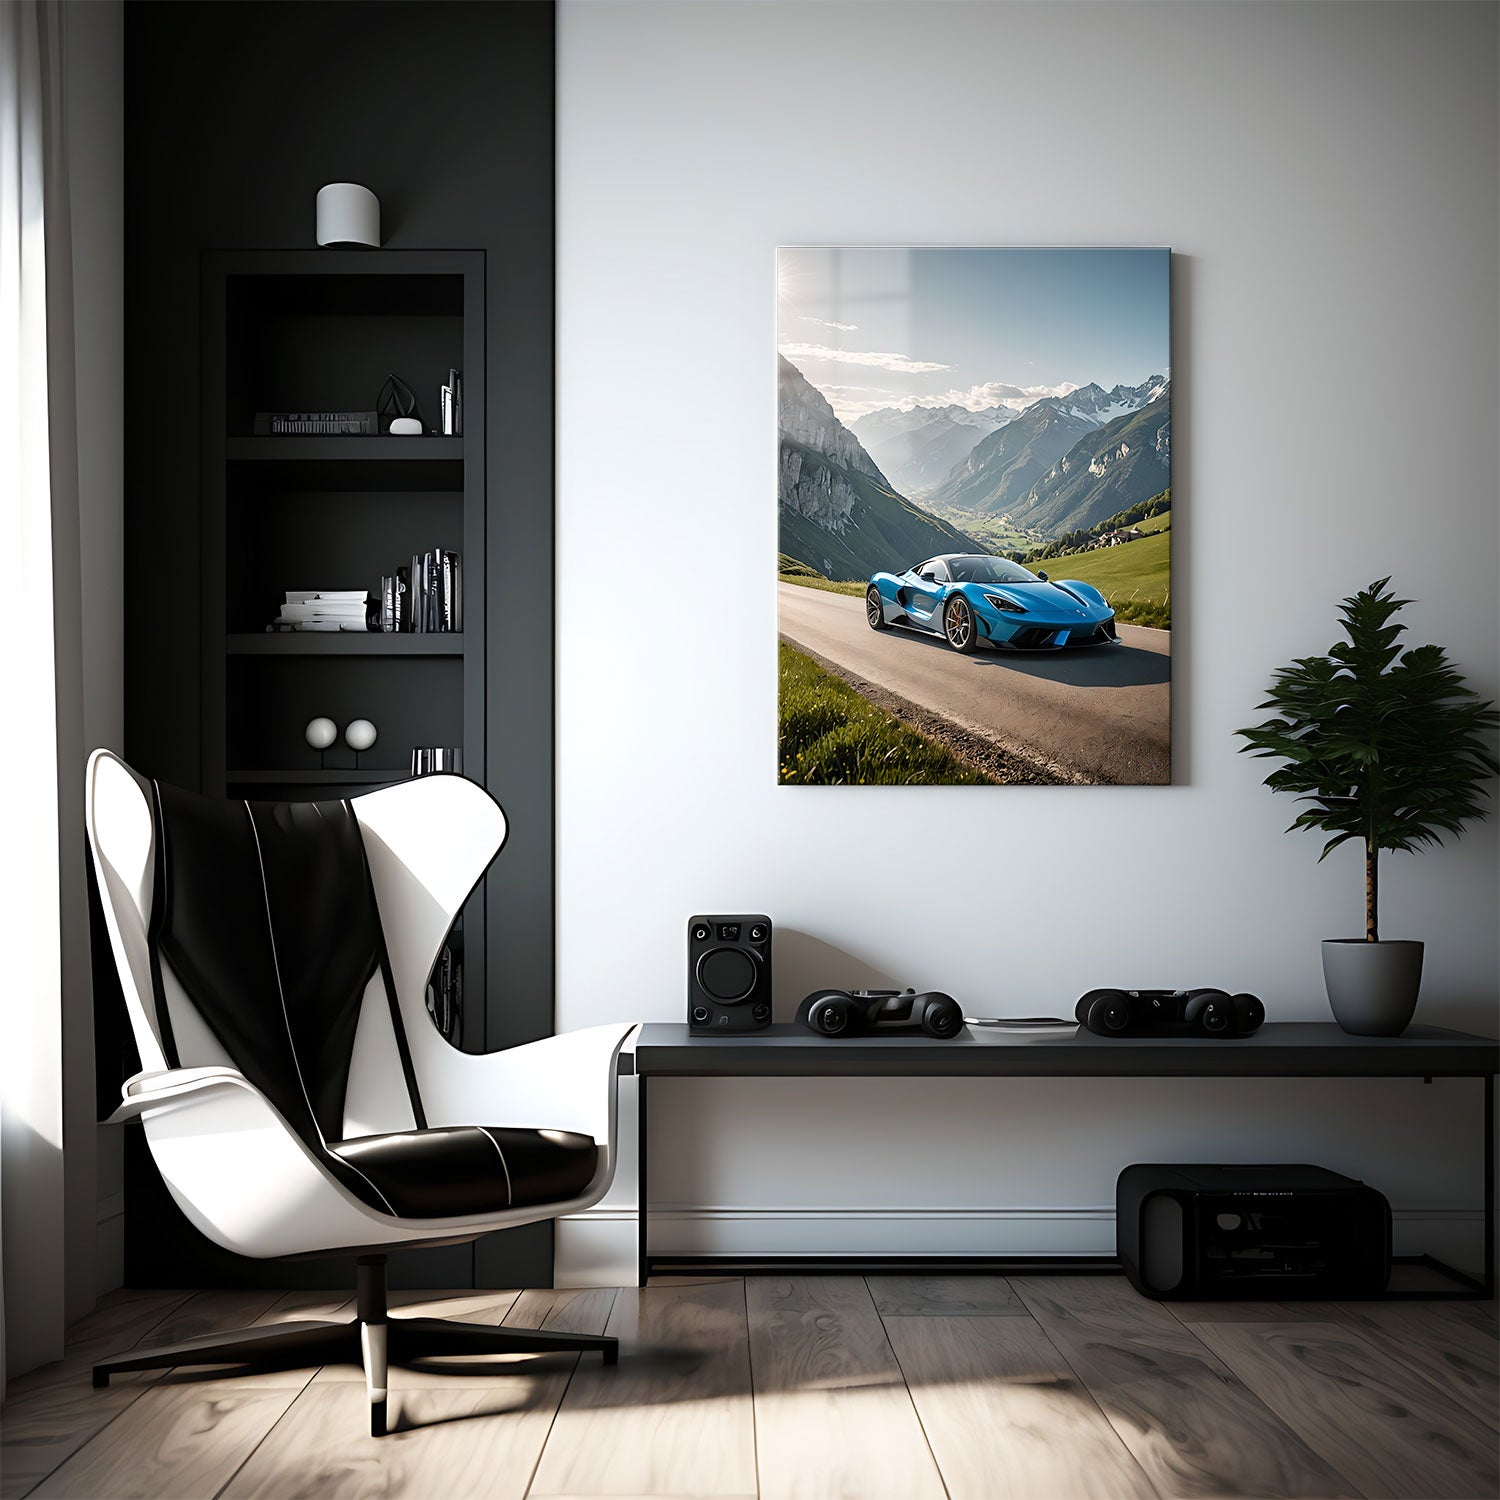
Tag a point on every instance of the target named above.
point(326, 423)
point(323, 609)
point(427, 597)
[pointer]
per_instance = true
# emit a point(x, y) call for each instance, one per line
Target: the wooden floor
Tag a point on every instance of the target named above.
point(972, 1387)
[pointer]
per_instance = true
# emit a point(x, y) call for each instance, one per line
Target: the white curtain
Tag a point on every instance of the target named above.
point(41, 869)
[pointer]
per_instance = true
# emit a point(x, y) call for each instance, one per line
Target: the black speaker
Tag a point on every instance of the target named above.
point(1231, 1233)
point(729, 974)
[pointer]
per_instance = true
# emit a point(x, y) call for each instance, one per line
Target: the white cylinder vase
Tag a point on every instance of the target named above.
point(348, 214)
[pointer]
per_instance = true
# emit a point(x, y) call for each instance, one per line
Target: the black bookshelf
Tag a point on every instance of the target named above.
point(321, 330)
point(464, 193)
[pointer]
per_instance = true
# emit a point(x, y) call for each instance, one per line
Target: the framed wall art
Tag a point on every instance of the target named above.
point(975, 516)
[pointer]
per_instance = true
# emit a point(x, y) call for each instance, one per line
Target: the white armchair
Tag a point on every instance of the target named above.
point(295, 1094)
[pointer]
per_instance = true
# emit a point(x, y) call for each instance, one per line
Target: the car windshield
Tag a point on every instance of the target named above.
point(989, 570)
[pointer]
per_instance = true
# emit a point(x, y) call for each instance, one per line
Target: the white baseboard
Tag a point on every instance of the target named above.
point(601, 1242)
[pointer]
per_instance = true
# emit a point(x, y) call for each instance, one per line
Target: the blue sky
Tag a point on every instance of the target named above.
point(872, 327)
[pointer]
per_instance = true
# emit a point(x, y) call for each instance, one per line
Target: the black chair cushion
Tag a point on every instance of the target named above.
point(470, 1169)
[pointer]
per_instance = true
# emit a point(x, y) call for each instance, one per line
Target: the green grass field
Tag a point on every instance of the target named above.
point(831, 736)
point(1136, 578)
point(829, 585)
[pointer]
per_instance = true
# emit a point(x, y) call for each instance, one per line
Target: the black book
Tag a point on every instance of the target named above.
point(403, 599)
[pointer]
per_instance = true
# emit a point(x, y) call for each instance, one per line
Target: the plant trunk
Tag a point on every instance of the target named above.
point(1372, 891)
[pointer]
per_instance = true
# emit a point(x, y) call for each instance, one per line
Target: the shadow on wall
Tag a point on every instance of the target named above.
point(805, 963)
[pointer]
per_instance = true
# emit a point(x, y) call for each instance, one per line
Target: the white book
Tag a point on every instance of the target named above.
point(303, 596)
point(320, 607)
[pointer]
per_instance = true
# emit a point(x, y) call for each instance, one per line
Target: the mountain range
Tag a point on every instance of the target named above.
point(1028, 468)
point(918, 448)
point(839, 513)
point(1108, 470)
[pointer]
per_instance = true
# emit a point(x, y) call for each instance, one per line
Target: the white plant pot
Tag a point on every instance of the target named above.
point(1372, 987)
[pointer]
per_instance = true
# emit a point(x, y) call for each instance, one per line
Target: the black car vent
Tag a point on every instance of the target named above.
point(1033, 638)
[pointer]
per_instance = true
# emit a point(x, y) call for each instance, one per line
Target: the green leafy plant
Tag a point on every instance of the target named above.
point(1389, 746)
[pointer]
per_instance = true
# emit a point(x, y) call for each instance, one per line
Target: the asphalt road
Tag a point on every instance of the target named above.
point(1102, 713)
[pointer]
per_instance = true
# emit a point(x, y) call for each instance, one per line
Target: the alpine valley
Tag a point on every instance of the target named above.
point(839, 513)
point(859, 498)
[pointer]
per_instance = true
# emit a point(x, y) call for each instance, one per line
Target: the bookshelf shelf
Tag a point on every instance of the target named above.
point(297, 448)
point(342, 643)
point(320, 776)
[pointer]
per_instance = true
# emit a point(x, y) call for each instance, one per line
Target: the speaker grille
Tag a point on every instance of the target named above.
point(727, 974)
point(1161, 1243)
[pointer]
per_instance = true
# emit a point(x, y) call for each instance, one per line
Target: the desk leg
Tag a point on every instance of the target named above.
point(1489, 1185)
point(642, 1214)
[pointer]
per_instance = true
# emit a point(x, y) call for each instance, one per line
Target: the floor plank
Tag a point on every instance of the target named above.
point(1461, 1359)
point(937, 1296)
point(833, 1417)
point(460, 1442)
point(1005, 1415)
point(1190, 1423)
point(675, 1417)
point(52, 1413)
point(121, 1320)
point(179, 1441)
point(1386, 1427)
point(468, 1435)
point(564, 1310)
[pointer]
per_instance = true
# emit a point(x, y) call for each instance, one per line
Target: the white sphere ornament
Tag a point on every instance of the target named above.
point(348, 214)
point(360, 735)
point(320, 733)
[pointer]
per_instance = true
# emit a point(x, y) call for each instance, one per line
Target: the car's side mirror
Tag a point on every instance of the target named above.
point(1041, 575)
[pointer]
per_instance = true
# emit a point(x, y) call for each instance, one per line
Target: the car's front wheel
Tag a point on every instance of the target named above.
point(874, 609)
point(958, 625)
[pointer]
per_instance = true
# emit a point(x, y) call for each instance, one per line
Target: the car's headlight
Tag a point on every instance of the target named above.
point(999, 601)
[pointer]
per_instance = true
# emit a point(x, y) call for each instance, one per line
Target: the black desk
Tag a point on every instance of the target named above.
point(1280, 1049)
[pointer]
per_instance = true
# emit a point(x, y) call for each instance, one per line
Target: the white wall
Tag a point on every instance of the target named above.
point(1326, 176)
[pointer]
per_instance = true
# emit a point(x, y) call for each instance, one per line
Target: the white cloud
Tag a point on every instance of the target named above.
point(998, 393)
point(898, 364)
point(824, 323)
point(850, 402)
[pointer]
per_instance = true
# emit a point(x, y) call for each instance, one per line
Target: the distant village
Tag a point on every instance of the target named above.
point(1114, 538)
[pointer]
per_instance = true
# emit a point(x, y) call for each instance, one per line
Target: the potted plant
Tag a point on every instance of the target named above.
point(1392, 748)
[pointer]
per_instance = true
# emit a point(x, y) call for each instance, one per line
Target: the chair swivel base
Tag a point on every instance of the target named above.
point(370, 1339)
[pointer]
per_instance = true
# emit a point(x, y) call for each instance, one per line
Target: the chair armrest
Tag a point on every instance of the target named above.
point(565, 1082)
point(156, 1090)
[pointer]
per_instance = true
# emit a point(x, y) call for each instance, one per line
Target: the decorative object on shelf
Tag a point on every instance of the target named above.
point(359, 735)
point(326, 609)
point(1392, 748)
point(1200, 1012)
point(451, 400)
point(427, 760)
point(320, 734)
point(942, 505)
point(395, 403)
point(348, 214)
point(858, 1012)
point(317, 423)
